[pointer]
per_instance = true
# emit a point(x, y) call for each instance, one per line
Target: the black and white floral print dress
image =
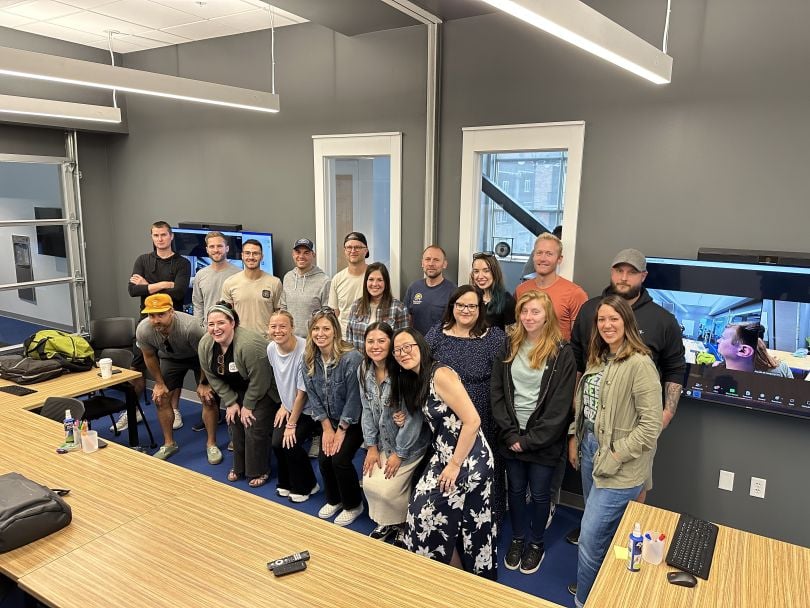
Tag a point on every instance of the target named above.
point(438, 521)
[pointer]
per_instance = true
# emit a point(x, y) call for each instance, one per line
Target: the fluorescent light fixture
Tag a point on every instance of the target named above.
point(27, 64)
point(591, 31)
point(29, 106)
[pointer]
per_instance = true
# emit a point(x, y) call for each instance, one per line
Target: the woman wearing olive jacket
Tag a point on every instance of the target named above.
point(532, 387)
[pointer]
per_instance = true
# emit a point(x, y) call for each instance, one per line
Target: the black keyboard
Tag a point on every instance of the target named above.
point(692, 546)
point(14, 389)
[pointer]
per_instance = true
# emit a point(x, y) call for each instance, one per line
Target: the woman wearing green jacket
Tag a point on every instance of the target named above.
point(618, 420)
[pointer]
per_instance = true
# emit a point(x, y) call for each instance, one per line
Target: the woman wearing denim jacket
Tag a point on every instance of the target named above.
point(394, 453)
point(330, 376)
point(618, 420)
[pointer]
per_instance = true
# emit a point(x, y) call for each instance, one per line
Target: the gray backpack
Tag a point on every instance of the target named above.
point(25, 370)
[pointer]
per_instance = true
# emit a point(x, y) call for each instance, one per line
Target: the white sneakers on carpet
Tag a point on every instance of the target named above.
point(122, 424)
point(178, 420)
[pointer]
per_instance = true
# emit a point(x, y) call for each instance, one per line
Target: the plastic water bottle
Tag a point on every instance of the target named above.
point(634, 549)
point(69, 428)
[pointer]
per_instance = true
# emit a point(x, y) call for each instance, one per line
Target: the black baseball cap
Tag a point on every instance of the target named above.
point(304, 243)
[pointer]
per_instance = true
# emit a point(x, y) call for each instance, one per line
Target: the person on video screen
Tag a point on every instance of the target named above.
point(743, 349)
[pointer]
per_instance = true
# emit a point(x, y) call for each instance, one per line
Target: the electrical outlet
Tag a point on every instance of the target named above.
point(758, 487)
point(726, 480)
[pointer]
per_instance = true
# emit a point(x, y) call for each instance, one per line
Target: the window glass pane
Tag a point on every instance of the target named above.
point(25, 311)
point(542, 177)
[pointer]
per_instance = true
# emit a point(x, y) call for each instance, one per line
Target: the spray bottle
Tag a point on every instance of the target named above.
point(634, 549)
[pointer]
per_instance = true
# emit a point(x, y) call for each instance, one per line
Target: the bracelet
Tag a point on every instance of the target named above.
point(453, 460)
point(290, 426)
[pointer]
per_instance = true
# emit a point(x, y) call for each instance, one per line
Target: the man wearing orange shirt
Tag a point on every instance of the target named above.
point(567, 297)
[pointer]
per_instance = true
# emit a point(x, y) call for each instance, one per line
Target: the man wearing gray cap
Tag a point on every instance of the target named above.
point(659, 330)
point(306, 287)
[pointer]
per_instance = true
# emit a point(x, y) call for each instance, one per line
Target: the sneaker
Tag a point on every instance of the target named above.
point(200, 426)
point(552, 509)
point(512, 560)
point(305, 497)
point(315, 447)
point(328, 510)
point(178, 420)
point(214, 454)
point(573, 536)
point(532, 558)
point(383, 532)
point(347, 516)
point(166, 451)
point(283, 492)
point(572, 589)
point(123, 421)
point(230, 446)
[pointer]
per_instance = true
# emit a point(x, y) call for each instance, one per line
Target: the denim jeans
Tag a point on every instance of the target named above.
point(604, 508)
point(528, 519)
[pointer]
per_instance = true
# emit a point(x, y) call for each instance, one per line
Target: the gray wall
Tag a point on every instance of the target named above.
point(717, 158)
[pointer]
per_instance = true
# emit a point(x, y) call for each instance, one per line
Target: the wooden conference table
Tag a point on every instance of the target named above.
point(72, 385)
point(748, 571)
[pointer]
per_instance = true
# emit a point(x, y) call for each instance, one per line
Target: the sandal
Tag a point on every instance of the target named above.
point(258, 482)
point(233, 475)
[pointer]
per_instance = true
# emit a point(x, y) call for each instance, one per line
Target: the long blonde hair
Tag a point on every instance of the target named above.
point(632, 344)
point(339, 346)
point(549, 343)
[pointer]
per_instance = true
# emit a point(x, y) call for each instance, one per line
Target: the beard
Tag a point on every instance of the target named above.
point(630, 293)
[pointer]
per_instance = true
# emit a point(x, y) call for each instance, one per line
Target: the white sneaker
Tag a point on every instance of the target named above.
point(347, 516)
point(328, 510)
point(178, 420)
point(551, 511)
point(305, 497)
point(123, 421)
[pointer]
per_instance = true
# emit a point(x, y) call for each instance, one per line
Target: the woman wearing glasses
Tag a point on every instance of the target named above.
point(449, 517)
point(394, 453)
point(532, 388)
point(293, 422)
point(376, 304)
point(330, 377)
point(234, 360)
point(487, 276)
point(464, 342)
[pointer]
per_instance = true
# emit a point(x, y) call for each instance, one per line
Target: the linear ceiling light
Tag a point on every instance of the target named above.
point(28, 106)
point(591, 31)
point(27, 64)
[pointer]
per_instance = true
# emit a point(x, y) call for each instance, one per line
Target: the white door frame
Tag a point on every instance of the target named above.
point(568, 136)
point(355, 144)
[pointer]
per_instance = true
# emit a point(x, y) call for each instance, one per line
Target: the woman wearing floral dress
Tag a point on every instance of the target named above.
point(449, 517)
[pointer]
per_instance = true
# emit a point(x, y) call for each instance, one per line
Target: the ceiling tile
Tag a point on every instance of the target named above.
point(250, 21)
point(62, 33)
point(87, 4)
point(7, 3)
point(42, 10)
point(99, 24)
point(155, 16)
point(120, 46)
point(203, 29)
point(150, 36)
point(11, 20)
point(209, 9)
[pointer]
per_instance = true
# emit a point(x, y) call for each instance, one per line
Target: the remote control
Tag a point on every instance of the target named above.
point(289, 568)
point(295, 557)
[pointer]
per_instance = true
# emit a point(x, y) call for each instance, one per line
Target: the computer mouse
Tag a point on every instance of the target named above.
point(684, 579)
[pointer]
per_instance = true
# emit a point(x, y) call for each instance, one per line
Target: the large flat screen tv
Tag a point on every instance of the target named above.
point(746, 330)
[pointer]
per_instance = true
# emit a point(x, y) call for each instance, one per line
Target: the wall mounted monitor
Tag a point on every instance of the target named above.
point(190, 243)
point(266, 239)
point(745, 328)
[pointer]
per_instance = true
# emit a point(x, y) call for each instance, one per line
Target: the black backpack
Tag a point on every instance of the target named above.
point(25, 370)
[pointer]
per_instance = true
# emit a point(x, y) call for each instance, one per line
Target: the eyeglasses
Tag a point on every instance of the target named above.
point(168, 347)
point(467, 307)
point(354, 247)
point(324, 310)
point(221, 364)
point(480, 255)
point(405, 349)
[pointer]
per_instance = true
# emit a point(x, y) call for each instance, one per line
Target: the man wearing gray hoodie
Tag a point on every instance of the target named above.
point(306, 287)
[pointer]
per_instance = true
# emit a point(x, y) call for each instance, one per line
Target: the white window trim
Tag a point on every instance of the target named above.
point(356, 144)
point(568, 136)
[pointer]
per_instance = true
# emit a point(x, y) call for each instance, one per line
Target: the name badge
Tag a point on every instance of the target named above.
point(232, 367)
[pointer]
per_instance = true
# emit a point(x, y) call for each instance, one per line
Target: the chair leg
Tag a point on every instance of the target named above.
point(152, 443)
point(116, 432)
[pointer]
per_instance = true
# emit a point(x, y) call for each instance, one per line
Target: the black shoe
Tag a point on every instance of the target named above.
point(512, 559)
point(399, 539)
point(572, 589)
point(200, 426)
point(573, 536)
point(532, 558)
point(383, 532)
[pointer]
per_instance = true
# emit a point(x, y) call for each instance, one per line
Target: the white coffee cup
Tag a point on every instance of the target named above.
point(105, 365)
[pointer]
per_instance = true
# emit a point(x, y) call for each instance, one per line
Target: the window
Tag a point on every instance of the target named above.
point(527, 185)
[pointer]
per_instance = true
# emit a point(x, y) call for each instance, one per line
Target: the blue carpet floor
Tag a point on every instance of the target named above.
point(550, 582)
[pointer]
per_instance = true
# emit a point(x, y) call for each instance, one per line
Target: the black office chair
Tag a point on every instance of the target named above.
point(54, 408)
point(100, 405)
point(114, 332)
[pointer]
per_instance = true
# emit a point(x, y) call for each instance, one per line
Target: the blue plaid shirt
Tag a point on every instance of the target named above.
point(395, 315)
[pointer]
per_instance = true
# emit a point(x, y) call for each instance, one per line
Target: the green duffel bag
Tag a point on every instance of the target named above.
point(71, 350)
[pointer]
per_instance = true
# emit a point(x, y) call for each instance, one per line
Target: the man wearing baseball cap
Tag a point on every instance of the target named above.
point(347, 285)
point(305, 287)
point(659, 330)
point(169, 341)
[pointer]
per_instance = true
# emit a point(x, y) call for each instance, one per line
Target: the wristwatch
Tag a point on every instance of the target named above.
point(343, 426)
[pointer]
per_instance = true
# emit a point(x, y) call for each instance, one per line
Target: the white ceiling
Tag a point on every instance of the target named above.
point(142, 24)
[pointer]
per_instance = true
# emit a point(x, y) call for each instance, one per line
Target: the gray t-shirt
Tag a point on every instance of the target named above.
point(207, 289)
point(590, 398)
point(527, 382)
point(425, 304)
point(181, 343)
